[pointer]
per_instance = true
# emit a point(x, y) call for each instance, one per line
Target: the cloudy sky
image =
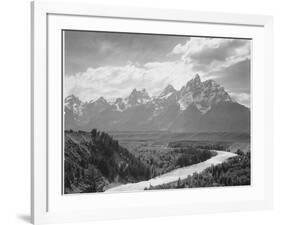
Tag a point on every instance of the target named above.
point(112, 64)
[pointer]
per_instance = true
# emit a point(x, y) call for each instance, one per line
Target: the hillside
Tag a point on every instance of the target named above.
point(92, 161)
point(95, 161)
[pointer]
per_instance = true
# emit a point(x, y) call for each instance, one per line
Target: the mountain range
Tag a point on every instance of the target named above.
point(197, 107)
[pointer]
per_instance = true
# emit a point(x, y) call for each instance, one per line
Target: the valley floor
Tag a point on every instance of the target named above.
point(174, 175)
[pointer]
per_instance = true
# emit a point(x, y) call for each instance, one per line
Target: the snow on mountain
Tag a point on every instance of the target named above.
point(98, 105)
point(74, 104)
point(100, 101)
point(137, 98)
point(196, 106)
point(203, 94)
point(120, 104)
point(167, 92)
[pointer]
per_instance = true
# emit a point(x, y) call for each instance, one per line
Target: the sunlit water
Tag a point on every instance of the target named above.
point(174, 175)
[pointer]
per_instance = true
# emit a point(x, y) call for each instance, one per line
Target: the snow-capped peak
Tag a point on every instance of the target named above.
point(120, 104)
point(74, 104)
point(197, 78)
point(203, 94)
point(71, 98)
point(101, 100)
point(196, 81)
point(138, 97)
point(168, 91)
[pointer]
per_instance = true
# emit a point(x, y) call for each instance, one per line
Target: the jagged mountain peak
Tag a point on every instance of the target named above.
point(71, 97)
point(212, 88)
point(194, 84)
point(203, 94)
point(210, 82)
point(167, 91)
point(143, 90)
point(100, 101)
point(138, 97)
point(195, 81)
point(74, 104)
point(118, 100)
point(169, 88)
point(197, 77)
point(120, 104)
point(172, 109)
point(139, 92)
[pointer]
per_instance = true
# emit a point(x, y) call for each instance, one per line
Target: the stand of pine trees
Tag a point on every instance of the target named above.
point(193, 155)
point(236, 171)
point(97, 160)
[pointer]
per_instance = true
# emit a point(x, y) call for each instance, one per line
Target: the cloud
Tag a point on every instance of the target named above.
point(225, 60)
point(112, 81)
point(235, 78)
point(102, 81)
point(212, 54)
point(91, 49)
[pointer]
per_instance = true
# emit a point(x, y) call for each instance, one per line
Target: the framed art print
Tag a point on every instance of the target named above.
point(145, 112)
point(154, 123)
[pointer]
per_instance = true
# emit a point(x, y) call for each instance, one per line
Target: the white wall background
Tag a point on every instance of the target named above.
point(15, 112)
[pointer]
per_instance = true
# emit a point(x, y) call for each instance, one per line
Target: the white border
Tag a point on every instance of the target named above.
point(57, 202)
point(41, 212)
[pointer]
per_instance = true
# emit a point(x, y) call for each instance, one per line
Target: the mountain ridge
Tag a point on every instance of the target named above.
point(197, 106)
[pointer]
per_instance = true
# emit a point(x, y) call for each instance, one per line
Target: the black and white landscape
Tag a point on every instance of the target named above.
point(146, 112)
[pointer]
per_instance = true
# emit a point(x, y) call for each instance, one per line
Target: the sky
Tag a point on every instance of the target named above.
point(113, 64)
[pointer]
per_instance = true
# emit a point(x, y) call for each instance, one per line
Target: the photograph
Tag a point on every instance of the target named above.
point(144, 112)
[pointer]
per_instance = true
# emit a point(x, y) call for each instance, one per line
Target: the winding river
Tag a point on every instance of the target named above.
point(174, 175)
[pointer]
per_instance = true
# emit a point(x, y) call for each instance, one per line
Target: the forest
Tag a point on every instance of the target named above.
point(234, 172)
point(209, 145)
point(95, 161)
